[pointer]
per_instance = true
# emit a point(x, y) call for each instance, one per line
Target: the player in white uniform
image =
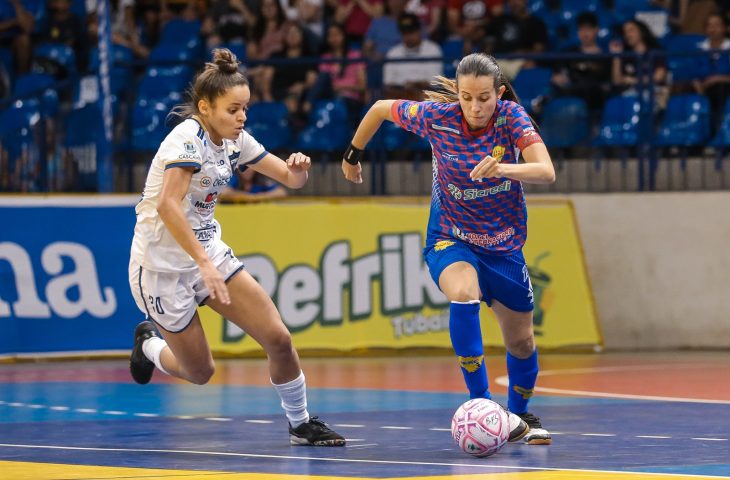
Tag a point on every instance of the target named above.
point(178, 260)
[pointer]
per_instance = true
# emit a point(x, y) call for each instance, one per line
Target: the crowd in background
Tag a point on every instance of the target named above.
point(334, 34)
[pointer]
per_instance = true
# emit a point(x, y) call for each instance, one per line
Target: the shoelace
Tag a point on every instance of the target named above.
point(316, 421)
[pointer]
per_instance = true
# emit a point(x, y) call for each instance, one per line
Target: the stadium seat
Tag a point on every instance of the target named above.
point(90, 117)
point(163, 82)
point(681, 62)
point(40, 86)
point(183, 33)
point(626, 9)
point(238, 49)
point(686, 121)
point(62, 56)
point(453, 50)
point(16, 127)
point(564, 122)
point(532, 86)
point(167, 54)
point(327, 128)
point(149, 125)
point(619, 122)
point(268, 122)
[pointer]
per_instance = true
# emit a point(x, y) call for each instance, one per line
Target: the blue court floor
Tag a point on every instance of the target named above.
point(58, 419)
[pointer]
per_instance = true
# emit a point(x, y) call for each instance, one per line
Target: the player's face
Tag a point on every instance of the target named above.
point(478, 99)
point(227, 115)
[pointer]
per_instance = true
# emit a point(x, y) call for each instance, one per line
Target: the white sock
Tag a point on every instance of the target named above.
point(294, 400)
point(152, 348)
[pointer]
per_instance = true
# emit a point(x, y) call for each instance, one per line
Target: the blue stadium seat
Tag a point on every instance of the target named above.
point(162, 82)
point(453, 50)
point(619, 122)
point(532, 86)
point(168, 54)
point(149, 126)
point(183, 33)
point(16, 132)
point(686, 67)
point(238, 49)
point(40, 86)
point(268, 122)
point(88, 116)
point(121, 68)
point(328, 127)
point(686, 121)
point(564, 122)
point(61, 54)
point(626, 9)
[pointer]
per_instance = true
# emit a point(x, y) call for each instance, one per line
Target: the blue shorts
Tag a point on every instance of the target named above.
point(501, 277)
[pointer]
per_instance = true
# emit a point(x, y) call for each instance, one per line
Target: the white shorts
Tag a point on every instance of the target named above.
point(170, 299)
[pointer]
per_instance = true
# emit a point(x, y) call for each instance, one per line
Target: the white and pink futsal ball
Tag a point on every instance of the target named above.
point(480, 427)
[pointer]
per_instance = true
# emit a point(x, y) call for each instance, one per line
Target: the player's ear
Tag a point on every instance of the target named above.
point(501, 91)
point(203, 107)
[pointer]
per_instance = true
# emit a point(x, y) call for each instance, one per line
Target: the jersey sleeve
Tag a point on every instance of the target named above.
point(521, 128)
point(251, 151)
point(412, 116)
point(182, 148)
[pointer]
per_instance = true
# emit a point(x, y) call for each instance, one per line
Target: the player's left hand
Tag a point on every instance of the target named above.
point(298, 162)
point(487, 168)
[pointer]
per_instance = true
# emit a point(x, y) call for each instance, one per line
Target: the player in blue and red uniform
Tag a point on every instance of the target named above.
point(478, 223)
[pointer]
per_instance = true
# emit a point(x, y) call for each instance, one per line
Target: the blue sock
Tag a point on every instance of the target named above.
point(522, 377)
point(466, 338)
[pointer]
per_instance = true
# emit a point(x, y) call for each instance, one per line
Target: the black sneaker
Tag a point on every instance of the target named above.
point(537, 435)
point(518, 428)
point(315, 432)
point(140, 366)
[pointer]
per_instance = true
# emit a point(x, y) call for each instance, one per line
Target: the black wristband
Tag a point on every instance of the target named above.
point(353, 155)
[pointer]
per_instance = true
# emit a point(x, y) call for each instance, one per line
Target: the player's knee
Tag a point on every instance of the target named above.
point(521, 347)
point(202, 373)
point(463, 293)
point(280, 345)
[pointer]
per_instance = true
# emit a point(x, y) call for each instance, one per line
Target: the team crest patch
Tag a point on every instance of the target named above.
point(500, 121)
point(498, 153)
point(412, 110)
point(189, 147)
point(205, 182)
point(443, 244)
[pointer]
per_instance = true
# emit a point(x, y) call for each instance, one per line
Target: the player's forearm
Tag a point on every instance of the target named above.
point(172, 216)
point(371, 122)
point(296, 179)
point(539, 173)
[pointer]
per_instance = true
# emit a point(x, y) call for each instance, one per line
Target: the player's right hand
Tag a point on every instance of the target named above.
point(352, 172)
point(214, 282)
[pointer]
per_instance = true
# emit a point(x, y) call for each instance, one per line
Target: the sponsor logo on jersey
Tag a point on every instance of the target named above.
point(413, 110)
point(483, 239)
point(450, 157)
point(221, 181)
point(208, 203)
point(472, 193)
point(189, 147)
point(501, 120)
point(436, 126)
point(205, 182)
point(235, 153)
point(443, 244)
point(188, 156)
point(498, 153)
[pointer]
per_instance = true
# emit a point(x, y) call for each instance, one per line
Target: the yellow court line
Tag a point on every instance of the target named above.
point(55, 471)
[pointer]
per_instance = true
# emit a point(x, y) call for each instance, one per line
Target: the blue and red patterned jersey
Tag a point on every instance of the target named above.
point(489, 215)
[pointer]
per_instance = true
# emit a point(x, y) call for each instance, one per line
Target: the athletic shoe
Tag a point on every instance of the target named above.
point(537, 435)
point(139, 365)
point(315, 432)
point(518, 428)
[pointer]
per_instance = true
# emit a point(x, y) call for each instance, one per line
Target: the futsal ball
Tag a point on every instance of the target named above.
point(480, 427)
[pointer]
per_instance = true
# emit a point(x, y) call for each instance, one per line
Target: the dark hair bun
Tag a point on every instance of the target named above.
point(225, 60)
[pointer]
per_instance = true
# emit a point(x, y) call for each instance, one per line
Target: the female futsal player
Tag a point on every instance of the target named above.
point(178, 260)
point(477, 225)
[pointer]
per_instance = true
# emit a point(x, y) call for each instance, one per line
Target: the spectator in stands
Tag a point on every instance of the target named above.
point(289, 80)
point(588, 78)
point(311, 18)
point(64, 26)
point(356, 16)
point(632, 72)
point(251, 186)
point(343, 79)
point(517, 31)
point(383, 33)
point(124, 28)
point(432, 14)
point(468, 18)
point(407, 80)
point(228, 21)
point(716, 85)
point(16, 26)
point(267, 39)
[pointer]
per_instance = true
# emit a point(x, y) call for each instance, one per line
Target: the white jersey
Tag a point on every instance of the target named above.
point(188, 145)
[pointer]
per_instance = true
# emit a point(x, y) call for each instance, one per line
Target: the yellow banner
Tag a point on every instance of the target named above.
point(351, 275)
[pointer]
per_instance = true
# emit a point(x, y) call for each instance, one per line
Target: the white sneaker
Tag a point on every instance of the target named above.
point(518, 428)
point(536, 434)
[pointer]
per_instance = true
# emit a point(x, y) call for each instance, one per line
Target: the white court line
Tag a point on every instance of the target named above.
point(710, 439)
point(259, 421)
point(650, 436)
point(362, 445)
point(348, 425)
point(598, 434)
point(504, 381)
point(394, 427)
point(86, 410)
point(478, 466)
point(114, 412)
point(440, 429)
point(219, 419)
point(146, 415)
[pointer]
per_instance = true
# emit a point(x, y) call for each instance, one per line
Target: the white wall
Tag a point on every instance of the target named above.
point(659, 264)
